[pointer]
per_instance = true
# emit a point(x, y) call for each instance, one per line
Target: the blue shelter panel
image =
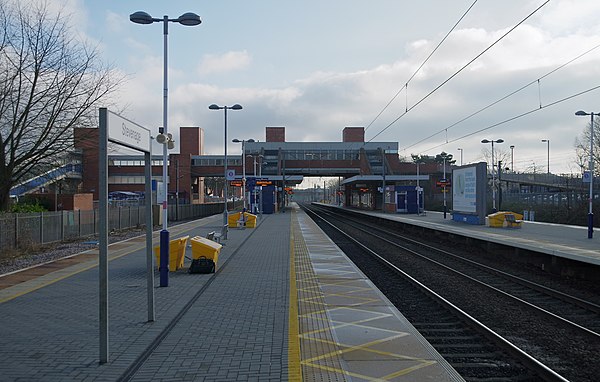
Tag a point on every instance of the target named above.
point(407, 199)
point(268, 199)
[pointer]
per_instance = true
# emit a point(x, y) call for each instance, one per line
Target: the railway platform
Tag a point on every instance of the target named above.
point(284, 304)
point(562, 241)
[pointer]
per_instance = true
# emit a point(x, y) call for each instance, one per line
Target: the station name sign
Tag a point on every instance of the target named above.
point(128, 133)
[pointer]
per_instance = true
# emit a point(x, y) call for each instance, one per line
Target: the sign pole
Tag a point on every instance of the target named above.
point(117, 129)
point(149, 225)
point(103, 235)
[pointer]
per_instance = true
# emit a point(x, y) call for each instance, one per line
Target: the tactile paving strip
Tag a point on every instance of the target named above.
point(313, 319)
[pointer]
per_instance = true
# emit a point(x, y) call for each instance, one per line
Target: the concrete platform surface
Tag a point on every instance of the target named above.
point(284, 304)
point(560, 240)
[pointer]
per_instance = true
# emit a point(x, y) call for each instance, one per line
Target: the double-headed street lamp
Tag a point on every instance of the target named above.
point(590, 210)
point(243, 141)
point(548, 142)
point(187, 19)
point(225, 108)
point(493, 171)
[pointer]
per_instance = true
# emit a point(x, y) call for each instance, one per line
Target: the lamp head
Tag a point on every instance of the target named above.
point(161, 138)
point(214, 106)
point(581, 112)
point(189, 19)
point(251, 140)
point(236, 140)
point(237, 106)
point(499, 140)
point(485, 141)
point(141, 17)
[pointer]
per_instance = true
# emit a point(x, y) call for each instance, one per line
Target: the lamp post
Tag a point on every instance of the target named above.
point(260, 201)
point(252, 207)
point(225, 108)
point(512, 163)
point(493, 171)
point(590, 210)
point(187, 19)
point(461, 156)
point(444, 156)
point(243, 167)
point(418, 189)
point(382, 181)
point(548, 142)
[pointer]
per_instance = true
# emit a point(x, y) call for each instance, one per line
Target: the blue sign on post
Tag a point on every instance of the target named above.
point(587, 177)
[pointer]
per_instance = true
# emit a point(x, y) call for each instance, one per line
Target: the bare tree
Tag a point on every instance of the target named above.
point(49, 83)
point(500, 155)
point(582, 148)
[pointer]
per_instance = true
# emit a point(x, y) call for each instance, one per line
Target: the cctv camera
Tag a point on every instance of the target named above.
point(161, 138)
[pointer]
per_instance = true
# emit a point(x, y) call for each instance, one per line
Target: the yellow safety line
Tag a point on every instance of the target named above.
point(342, 324)
point(294, 368)
point(345, 348)
point(50, 282)
point(345, 372)
point(95, 264)
point(408, 370)
point(367, 348)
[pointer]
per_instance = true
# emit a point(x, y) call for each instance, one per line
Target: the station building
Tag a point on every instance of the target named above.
point(271, 166)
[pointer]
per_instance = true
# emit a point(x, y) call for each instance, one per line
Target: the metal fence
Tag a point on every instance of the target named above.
point(26, 229)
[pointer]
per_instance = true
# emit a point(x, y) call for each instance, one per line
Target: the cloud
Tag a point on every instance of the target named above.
point(318, 106)
point(115, 22)
point(227, 62)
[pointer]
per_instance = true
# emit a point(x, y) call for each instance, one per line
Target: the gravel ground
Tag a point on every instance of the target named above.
point(55, 251)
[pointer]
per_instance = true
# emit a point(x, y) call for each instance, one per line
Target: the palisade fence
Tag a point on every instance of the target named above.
point(28, 229)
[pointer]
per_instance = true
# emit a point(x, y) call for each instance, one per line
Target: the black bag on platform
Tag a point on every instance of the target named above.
point(202, 265)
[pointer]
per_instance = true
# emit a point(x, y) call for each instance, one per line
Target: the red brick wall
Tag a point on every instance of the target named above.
point(191, 140)
point(191, 143)
point(68, 202)
point(87, 141)
point(275, 134)
point(353, 134)
point(83, 202)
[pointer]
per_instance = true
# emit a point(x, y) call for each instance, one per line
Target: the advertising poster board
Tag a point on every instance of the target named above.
point(469, 193)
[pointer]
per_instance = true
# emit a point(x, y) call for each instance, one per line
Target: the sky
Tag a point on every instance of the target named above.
point(317, 66)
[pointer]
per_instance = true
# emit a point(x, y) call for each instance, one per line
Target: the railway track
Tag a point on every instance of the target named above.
point(543, 333)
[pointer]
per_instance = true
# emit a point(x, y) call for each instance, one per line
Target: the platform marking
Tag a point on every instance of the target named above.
point(294, 368)
point(21, 289)
point(312, 298)
point(56, 277)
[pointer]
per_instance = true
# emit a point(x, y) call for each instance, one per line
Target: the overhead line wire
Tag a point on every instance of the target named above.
point(459, 71)
point(421, 66)
point(505, 97)
point(517, 117)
